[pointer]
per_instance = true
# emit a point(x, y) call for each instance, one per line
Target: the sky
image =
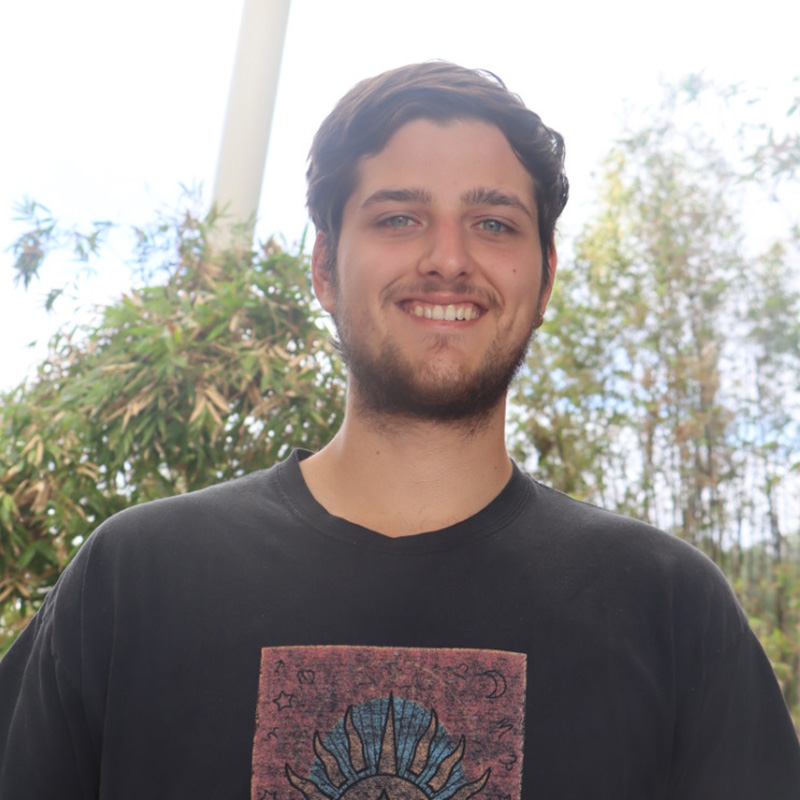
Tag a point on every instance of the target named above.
point(108, 108)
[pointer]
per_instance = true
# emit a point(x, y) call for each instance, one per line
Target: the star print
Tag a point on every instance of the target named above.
point(283, 700)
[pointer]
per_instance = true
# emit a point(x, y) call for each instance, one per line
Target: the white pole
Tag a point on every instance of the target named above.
point(248, 119)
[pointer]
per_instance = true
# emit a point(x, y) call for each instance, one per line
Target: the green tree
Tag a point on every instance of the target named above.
point(218, 366)
point(636, 336)
point(666, 381)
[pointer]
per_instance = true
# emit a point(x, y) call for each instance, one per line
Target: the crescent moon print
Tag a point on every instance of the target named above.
point(500, 685)
point(383, 723)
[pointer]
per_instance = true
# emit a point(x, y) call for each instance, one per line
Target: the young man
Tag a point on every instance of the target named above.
point(404, 614)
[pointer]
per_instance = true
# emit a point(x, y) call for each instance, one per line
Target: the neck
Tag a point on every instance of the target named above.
point(401, 477)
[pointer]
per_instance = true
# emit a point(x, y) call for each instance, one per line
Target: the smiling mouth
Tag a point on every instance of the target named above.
point(453, 312)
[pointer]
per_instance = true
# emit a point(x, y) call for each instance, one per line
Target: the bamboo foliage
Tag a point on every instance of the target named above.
point(216, 368)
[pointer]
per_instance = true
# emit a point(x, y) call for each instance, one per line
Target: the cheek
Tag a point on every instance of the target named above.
point(353, 309)
point(522, 286)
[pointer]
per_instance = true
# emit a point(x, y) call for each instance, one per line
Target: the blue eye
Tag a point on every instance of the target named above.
point(397, 221)
point(494, 226)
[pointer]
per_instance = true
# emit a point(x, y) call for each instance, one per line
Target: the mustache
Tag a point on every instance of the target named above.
point(479, 294)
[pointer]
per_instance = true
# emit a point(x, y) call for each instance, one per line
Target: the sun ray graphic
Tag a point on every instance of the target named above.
point(400, 753)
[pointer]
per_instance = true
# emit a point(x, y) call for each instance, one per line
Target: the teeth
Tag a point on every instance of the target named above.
point(449, 313)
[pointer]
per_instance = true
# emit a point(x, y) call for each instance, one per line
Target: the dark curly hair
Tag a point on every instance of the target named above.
point(369, 114)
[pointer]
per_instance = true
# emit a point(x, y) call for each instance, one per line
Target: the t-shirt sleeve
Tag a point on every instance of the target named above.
point(735, 739)
point(49, 748)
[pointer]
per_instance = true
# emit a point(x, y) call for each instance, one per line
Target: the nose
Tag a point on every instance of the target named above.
point(447, 254)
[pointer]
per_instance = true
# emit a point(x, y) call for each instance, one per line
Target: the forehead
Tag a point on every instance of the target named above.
point(444, 157)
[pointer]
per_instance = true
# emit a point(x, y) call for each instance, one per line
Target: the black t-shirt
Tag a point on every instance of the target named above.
point(242, 642)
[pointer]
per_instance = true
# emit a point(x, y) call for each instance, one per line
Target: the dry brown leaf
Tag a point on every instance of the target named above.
point(217, 399)
point(199, 405)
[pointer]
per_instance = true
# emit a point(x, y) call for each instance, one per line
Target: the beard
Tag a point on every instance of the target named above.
point(388, 386)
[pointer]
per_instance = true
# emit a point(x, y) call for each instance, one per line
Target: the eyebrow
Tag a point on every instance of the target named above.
point(399, 196)
point(474, 197)
point(494, 197)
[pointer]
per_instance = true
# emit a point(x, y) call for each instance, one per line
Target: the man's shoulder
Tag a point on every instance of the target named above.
point(217, 510)
point(218, 499)
point(622, 543)
point(634, 569)
point(572, 516)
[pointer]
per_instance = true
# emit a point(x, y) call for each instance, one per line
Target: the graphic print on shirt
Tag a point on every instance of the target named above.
point(382, 723)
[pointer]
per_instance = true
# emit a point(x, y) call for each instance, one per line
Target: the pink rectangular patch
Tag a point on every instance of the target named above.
point(361, 723)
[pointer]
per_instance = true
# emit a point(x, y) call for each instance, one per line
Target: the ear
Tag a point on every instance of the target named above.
point(546, 290)
point(322, 275)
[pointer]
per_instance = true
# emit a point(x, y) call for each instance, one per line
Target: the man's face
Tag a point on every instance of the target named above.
point(438, 273)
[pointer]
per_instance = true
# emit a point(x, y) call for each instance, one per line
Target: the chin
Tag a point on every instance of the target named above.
point(390, 386)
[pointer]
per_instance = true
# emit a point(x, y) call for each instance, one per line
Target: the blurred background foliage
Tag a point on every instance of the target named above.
point(217, 367)
point(665, 382)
